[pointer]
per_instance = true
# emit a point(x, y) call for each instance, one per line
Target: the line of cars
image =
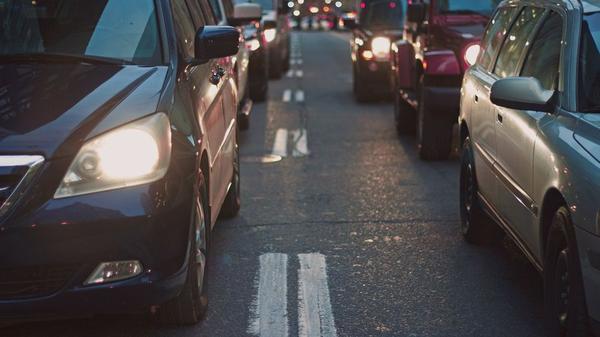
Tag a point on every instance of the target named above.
point(522, 79)
point(119, 128)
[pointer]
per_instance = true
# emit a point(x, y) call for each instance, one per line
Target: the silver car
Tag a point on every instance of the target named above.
point(530, 129)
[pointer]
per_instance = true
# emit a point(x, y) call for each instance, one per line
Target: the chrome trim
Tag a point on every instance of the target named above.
point(34, 163)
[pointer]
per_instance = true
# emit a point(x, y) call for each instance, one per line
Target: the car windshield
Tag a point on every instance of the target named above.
point(382, 14)
point(267, 5)
point(482, 7)
point(111, 30)
point(589, 69)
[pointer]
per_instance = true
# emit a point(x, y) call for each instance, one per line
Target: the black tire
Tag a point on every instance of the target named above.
point(259, 91)
point(477, 228)
point(434, 133)
point(231, 205)
point(189, 307)
point(276, 64)
point(244, 122)
point(361, 92)
point(565, 309)
point(404, 115)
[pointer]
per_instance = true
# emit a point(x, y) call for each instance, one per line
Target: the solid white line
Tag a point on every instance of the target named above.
point(300, 138)
point(299, 96)
point(280, 143)
point(287, 95)
point(299, 73)
point(269, 312)
point(315, 316)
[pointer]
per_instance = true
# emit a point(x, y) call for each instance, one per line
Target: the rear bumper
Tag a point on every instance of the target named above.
point(74, 235)
point(444, 101)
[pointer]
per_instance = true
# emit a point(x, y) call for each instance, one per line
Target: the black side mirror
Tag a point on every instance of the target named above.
point(415, 12)
point(350, 23)
point(215, 42)
point(522, 93)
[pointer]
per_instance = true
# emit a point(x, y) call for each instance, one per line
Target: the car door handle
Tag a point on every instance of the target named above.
point(476, 98)
point(500, 118)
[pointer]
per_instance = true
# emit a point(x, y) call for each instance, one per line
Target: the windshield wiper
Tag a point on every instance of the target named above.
point(62, 58)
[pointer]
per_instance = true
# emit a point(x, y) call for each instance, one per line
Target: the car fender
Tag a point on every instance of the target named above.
point(403, 65)
point(441, 63)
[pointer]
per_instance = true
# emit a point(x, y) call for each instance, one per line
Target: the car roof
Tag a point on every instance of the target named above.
point(590, 6)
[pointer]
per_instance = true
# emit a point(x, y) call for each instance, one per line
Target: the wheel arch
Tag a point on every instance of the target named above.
point(553, 200)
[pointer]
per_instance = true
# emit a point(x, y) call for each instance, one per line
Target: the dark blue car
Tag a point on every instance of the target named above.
point(118, 151)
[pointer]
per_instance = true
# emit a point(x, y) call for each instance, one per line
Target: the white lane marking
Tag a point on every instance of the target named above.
point(299, 73)
point(299, 61)
point(315, 316)
point(299, 96)
point(300, 138)
point(269, 311)
point(292, 61)
point(280, 143)
point(290, 73)
point(287, 95)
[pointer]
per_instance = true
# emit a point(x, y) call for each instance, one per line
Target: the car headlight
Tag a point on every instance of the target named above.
point(381, 47)
point(133, 154)
point(472, 53)
point(270, 34)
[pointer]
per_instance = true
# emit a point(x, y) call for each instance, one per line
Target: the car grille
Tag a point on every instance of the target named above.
point(21, 283)
point(16, 173)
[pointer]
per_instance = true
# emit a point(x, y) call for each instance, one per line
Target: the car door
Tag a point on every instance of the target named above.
point(517, 131)
point(482, 117)
point(204, 94)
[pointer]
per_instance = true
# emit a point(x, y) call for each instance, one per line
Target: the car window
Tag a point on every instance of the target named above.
point(589, 64)
point(209, 13)
point(494, 35)
point(217, 10)
point(184, 27)
point(516, 41)
point(543, 59)
point(115, 29)
point(196, 12)
point(382, 14)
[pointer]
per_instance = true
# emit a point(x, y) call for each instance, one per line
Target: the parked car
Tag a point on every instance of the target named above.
point(277, 33)
point(379, 23)
point(118, 151)
point(530, 128)
point(258, 73)
point(240, 15)
point(441, 42)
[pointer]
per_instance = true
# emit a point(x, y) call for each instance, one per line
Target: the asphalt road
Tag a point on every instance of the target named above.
point(349, 234)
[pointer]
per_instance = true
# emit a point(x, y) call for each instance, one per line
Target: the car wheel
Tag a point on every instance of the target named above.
point(404, 115)
point(434, 135)
point(476, 226)
point(566, 313)
point(189, 307)
point(361, 93)
point(232, 203)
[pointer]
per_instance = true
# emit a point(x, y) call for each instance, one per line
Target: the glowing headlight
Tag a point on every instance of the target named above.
point(381, 47)
point(471, 54)
point(270, 34)
point(133, 154)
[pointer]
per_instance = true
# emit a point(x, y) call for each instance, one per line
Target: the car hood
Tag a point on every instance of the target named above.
point(51, 109)
point(588, 134)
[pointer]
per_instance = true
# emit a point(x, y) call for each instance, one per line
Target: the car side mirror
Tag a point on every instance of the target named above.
point(215, 42)
point(245, 13)
point(415, 12)
point(350, 23)
point(522, 93)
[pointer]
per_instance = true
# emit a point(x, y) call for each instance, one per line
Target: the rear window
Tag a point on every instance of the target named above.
point(381, 15)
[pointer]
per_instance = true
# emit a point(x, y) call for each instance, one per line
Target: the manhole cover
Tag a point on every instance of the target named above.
point(266, 159)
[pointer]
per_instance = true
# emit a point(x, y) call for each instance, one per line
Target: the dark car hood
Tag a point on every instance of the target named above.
point(50, 109)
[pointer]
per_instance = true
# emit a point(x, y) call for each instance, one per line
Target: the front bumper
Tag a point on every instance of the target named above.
point(375, 74)
point(53, 249)
point(589, 255)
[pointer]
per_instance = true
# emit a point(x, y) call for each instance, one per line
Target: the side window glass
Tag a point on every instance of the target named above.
point(494, 35)
point(209, 13)
point(217, 10)
point(196, 14)
point(184, 27)
point(544, 56)
point(516, 42)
